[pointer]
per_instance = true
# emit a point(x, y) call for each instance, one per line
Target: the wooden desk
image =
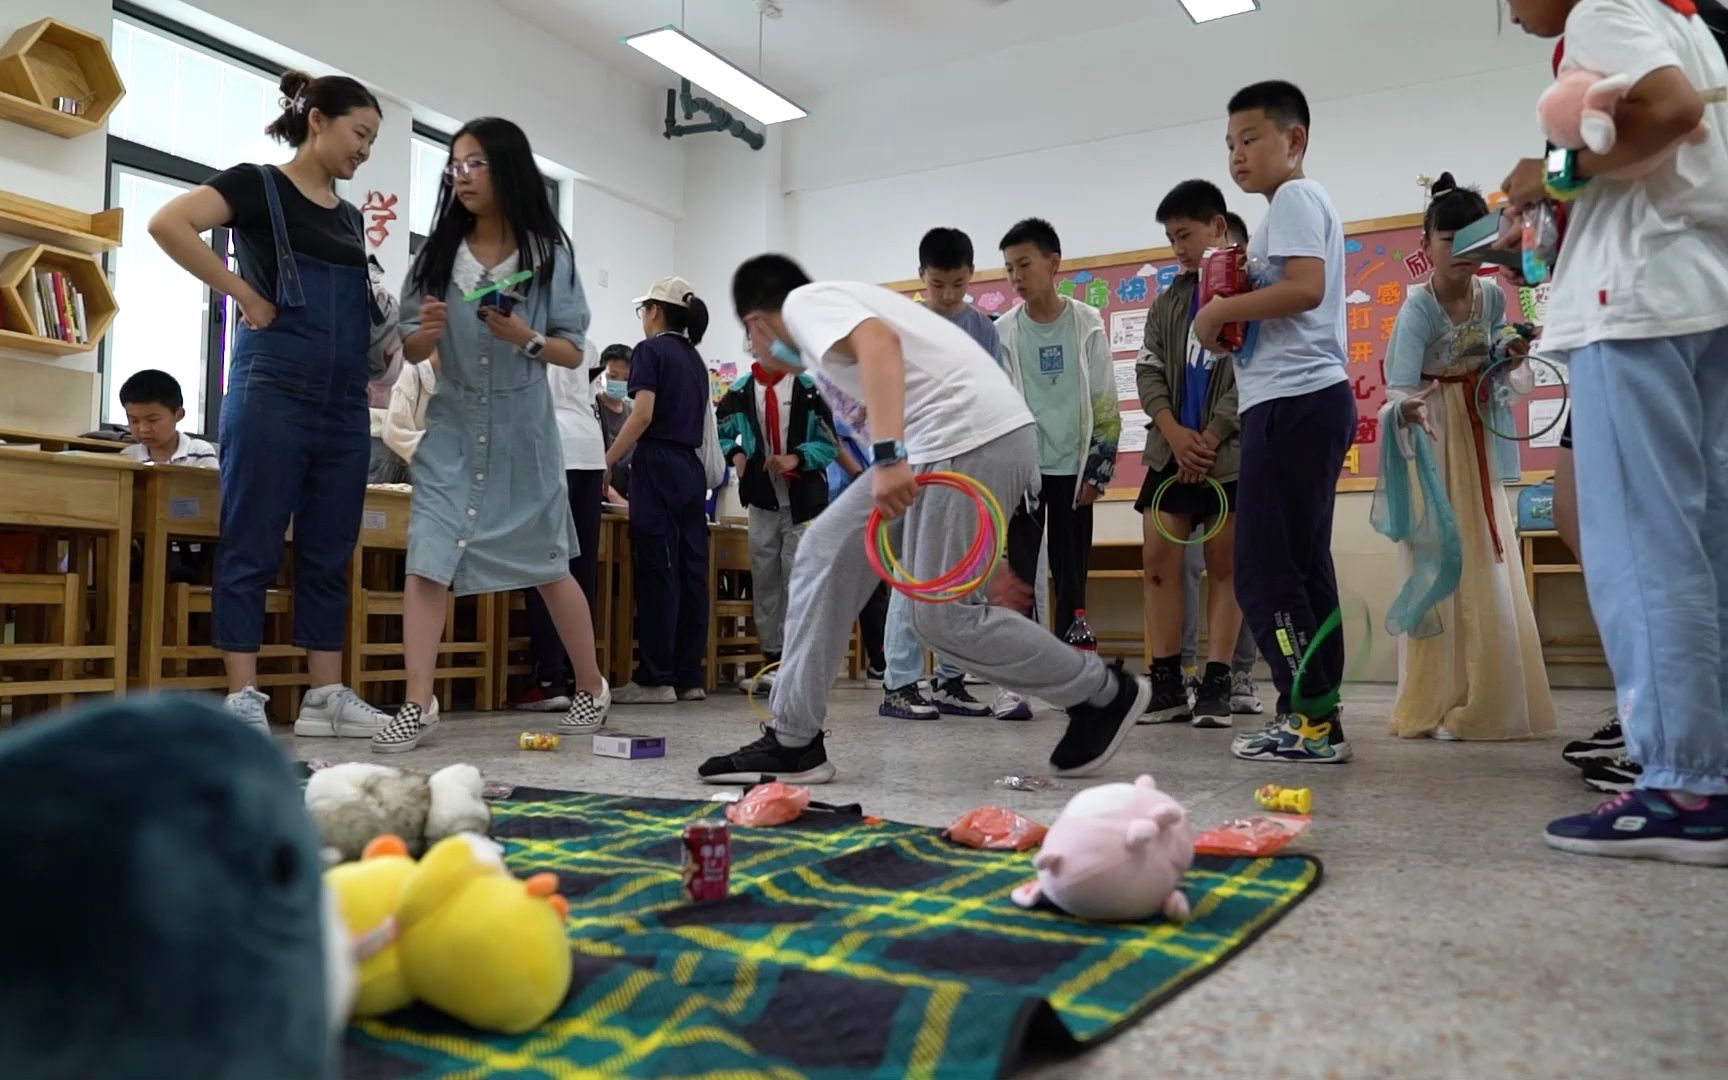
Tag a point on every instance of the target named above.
point(172, 502)
point(1545, 554)
point(57, 443)
point(89, 495)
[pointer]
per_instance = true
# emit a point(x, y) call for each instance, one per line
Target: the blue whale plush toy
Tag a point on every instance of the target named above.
point(163, 912)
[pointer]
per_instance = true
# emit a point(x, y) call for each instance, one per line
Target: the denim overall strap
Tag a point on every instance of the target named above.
point(288, 292)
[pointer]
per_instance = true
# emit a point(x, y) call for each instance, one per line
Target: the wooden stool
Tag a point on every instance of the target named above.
point(732, 637)
point(186, 666)
point(43, 652)
point(511, 631)
point(467, 653)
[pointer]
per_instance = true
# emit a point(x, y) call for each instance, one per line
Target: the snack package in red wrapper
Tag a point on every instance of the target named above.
point(1224, 272)
point(1262, 834)
point(993, 828)
point(769, 804)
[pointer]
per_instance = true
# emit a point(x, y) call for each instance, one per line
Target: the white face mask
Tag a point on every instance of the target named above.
point(617, 388)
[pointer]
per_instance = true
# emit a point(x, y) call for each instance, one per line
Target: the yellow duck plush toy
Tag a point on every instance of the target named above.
point(479, 944)
point(366, 894)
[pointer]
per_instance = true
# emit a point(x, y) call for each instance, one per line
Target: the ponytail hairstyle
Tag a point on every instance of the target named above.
point(332, 95)
point(519, 192)
point(691, 320)
point(1451, 207)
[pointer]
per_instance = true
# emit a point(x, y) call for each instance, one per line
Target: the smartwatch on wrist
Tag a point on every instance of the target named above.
point(887, 452)
point(1562, 179)
point(536, 345)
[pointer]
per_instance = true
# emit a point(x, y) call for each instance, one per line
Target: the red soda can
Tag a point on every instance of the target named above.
point(707, 859)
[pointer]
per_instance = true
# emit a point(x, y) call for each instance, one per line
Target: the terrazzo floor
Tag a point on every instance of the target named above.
point(1446, 939)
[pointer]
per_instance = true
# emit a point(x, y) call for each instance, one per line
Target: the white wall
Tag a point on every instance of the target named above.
point(621, 250)
point(71, 173)
point(584, 116)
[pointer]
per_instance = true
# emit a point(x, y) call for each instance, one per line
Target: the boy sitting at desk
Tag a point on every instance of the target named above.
point(154, 408)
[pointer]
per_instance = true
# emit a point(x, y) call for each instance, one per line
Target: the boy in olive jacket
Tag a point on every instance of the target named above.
point(1192, 444)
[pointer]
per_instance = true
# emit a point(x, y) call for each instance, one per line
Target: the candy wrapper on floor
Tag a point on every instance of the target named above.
point(994, 828)
point(769, 804)
point(1260, 835)
point(1116, 853)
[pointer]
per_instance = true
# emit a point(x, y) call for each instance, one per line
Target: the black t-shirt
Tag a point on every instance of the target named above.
point(332, 235)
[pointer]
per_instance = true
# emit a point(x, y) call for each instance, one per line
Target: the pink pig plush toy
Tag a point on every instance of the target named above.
point(1577, 113)
point(1116, 854)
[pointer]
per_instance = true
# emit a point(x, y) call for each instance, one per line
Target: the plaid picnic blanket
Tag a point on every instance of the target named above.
point(849, 947)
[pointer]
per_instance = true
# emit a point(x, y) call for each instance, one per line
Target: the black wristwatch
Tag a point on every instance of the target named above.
point(887, 452)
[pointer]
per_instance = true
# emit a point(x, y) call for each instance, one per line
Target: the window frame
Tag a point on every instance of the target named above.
point(149, 161)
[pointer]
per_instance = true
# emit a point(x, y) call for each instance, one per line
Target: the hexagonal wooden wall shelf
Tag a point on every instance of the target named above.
point(22, 327)
point(48, 60)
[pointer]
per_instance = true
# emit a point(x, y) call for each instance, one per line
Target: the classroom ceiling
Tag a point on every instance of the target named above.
point(821, 45)
point(817, 45)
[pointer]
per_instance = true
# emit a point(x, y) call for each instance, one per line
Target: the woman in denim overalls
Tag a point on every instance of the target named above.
point(494, 291)
point(294, 426)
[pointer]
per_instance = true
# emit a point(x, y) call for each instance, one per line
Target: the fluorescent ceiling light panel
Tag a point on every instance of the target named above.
point(1206, 10)
point(689, 58)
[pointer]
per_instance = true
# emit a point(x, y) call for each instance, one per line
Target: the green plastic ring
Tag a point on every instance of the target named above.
point(1217, 527)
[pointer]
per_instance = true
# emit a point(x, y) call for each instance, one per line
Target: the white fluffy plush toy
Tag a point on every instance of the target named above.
point(1116, 853)
point(354, 803)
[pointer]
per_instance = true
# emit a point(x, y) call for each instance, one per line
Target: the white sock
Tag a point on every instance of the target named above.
point(1108, 694)
point(793, 742)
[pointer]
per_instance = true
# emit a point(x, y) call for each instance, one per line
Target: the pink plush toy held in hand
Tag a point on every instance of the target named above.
point(1117, 853)
point(1577, 113)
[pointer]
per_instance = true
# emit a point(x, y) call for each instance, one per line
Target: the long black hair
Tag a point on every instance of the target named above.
point(1451, 207)
point(520, 194)
point(332, 95)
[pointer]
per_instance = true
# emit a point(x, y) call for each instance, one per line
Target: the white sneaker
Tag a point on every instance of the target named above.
point(1011, 706)
point(411, 727)
point(587, 711)
point(633, 694)
point(338, 713)
point(692, 693)
point(1244, 701)
point(248, 706)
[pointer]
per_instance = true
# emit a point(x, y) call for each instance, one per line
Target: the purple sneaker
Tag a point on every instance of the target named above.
point(1644, 824)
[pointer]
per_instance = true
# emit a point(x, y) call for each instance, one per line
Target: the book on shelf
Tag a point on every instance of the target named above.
point(58, 307)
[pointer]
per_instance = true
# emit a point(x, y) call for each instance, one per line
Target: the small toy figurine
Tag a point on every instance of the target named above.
point(1285, 800)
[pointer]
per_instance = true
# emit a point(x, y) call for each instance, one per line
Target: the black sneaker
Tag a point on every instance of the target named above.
point(953, 699)
point(1614, 775)
point(1607, 741)
point(1095, 733)
point(1212, 700)
point(765, 760)
point(907, 703)
point(1169, 701)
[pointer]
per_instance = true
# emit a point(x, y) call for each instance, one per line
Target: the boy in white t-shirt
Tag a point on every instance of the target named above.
point(154, 408)
point(910, 383)
point(1640, 310)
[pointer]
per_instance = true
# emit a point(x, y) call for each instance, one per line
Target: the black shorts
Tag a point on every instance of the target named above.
point(1566, 432)
point(1197, 501)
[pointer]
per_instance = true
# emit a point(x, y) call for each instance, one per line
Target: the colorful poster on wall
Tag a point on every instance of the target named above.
point(1128, 328)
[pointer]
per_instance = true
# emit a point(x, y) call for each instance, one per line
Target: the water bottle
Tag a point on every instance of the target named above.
point(1080, 634)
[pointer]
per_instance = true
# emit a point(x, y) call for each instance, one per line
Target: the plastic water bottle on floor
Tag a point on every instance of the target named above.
point(1080, 634)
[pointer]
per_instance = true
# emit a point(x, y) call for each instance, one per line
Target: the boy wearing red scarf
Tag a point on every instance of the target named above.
point(779, 436)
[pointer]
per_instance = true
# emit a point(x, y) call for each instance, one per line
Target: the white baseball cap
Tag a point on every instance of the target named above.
point(669, 290)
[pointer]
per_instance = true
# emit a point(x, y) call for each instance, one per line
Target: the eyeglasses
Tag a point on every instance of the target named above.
point(462, 170)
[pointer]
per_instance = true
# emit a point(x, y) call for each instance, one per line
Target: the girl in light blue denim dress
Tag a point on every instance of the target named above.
point(490, 509)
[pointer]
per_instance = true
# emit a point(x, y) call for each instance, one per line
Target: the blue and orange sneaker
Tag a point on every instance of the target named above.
point(1295, 738)
point(1645, 824)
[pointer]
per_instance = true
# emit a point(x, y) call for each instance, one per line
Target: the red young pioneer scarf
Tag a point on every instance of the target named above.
point(770, 406)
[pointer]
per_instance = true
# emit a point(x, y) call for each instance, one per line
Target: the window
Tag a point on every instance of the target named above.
point(191, 109)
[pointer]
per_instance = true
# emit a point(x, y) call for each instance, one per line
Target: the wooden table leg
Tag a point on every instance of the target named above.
point(153, 585)
point(119, 563)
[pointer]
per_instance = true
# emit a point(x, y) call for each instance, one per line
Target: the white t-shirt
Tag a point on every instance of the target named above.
point(195, 453)
point(1301, 353)
point(578, 427)
point(953, 404)
point(783, 396)
point(1645, 258)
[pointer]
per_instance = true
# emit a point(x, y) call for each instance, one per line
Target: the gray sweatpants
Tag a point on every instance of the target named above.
point(832, 579)
point(1193, 568)
point(773, 545)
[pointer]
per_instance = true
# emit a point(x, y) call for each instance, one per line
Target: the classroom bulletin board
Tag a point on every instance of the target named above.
point(1383, 259)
